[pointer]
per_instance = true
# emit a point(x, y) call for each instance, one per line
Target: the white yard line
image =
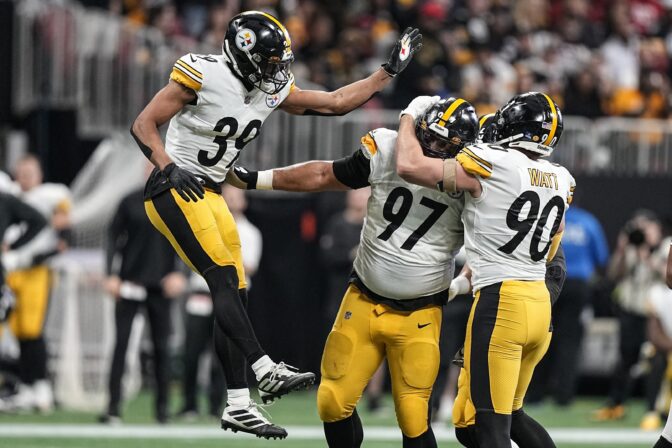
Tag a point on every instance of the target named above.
point(375, 433)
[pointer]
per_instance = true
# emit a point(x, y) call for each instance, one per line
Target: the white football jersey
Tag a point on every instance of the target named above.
point(411, 234)
point(509, 227)
point(206, 137)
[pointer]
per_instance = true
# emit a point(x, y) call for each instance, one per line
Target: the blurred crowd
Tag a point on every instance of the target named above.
point(595, 58)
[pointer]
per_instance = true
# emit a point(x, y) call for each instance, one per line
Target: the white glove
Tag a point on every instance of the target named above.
point(459, 285)
point(419, 106)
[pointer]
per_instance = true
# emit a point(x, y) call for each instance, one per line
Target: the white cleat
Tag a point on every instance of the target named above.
point(281, 380)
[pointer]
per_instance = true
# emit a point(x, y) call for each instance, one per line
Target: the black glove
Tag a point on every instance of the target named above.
point(186, 184)
point(241, 177)
point(403, 51)
point(7, 303)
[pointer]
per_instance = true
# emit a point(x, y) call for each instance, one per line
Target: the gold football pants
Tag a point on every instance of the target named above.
point(31, 288)
point(364, 333)
point(203, 233)
point(507, 335)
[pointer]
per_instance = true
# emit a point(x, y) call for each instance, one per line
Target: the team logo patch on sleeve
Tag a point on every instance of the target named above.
point(246, 39)
point(272, 100)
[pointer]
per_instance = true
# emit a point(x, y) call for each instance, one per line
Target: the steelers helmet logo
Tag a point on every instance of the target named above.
point(245, 39)
point(272, 100)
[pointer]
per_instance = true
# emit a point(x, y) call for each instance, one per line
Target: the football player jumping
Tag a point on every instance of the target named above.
point(513, 218)
point(216, 104)
point(401, 276)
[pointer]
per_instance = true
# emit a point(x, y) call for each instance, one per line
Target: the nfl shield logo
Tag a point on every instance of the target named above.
point(348, 315)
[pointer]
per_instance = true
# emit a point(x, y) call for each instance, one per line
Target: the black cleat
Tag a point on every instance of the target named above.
point(249, 419)
point(281, 380)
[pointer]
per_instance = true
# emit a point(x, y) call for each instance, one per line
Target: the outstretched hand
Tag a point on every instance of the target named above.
point(403, 51)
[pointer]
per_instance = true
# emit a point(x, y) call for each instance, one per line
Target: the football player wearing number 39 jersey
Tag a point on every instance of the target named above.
point(217, 104)
point(513, 221)
point(401, 273)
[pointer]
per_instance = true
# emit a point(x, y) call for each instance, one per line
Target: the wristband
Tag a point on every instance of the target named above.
point(265, 180)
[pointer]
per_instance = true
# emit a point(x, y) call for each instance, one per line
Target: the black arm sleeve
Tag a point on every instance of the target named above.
point(24, 213)
point(353, 170)
point(556, 273)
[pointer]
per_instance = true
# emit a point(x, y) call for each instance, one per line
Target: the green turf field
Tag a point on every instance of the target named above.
point(298, 412)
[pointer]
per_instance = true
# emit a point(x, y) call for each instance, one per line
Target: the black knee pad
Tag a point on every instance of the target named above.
point(346, 433)
point(221, 278)
point(466, 437)
point(493, 430)
point(528, 433)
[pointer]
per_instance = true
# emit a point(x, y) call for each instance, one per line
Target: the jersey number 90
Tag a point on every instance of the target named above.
point(523, 227)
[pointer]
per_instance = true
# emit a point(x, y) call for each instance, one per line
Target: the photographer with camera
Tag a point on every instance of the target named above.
point(634, 270)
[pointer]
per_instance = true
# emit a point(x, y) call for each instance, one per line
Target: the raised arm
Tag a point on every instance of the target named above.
point(350, 97)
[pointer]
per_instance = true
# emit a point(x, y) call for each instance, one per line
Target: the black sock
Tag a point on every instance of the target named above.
point(235, 368)
point(32, 360)
point(425, 440)
point(466, 437)
point(230, 314)
point(528, 433)
point(493, 430)
point(346, 433)
point(662, 443)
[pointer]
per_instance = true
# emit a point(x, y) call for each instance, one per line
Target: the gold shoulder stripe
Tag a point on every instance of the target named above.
point(188, 74)
point(480, 160)
point(471, 166)
point(370, 144)
point(189, 68)
point(450, 110)
point(179, 77)
point(554, 124)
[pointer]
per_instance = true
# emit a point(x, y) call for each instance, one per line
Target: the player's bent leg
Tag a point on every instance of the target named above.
point(350, 358)
point(528, 433)
point(412, 344)
point(191, 228)
point(464, 413)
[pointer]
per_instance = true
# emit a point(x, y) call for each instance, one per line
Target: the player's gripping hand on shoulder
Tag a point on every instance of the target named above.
point(419, 106)
point(403, 51)
point(186, 184)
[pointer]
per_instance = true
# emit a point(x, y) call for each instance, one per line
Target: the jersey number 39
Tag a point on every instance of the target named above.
point(523, 227)
point(250, 132)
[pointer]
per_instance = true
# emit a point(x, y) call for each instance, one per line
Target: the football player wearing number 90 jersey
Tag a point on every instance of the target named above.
point(401, 273)
point(217, 104)
point(513, 221)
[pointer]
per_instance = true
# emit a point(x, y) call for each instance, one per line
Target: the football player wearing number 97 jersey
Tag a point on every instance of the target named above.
point(401, 273)
point(217, 104)
point(513, 221)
